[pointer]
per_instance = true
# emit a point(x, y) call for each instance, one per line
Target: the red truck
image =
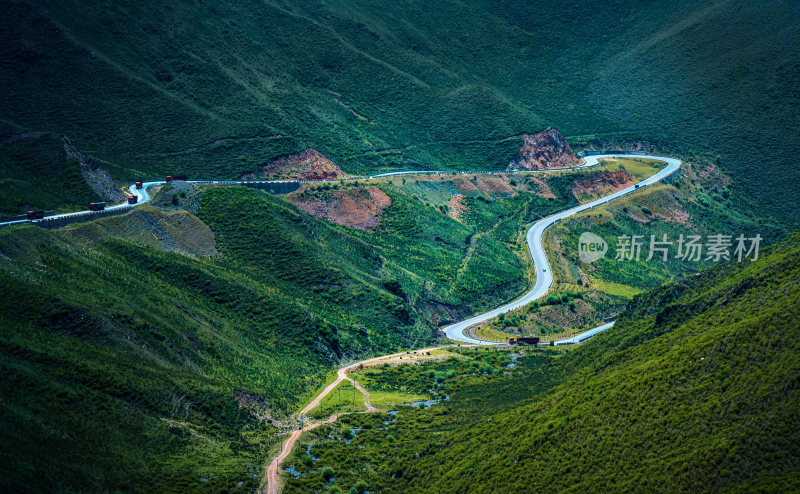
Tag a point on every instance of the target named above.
point(35, 215)
point(523, 341)
point(132, 199)
point(139, 184)
point(97, 206)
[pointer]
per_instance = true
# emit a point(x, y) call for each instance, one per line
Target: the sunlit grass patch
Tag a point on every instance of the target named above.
point(489, 334)
point(617, 289)
point(639, 168)
point(384, 400)
point(345, 398)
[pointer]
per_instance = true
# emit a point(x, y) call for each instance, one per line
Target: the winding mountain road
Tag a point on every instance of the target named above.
point(544, 280)
point(143, 196)
point(544, 275)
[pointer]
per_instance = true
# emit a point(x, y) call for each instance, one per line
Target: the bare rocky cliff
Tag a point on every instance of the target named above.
point(97, 178)
point(542, 151)
point(307, 165)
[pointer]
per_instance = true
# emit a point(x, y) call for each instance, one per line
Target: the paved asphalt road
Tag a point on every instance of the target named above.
point(144, 196)
point(140, 193)
point(544, 276)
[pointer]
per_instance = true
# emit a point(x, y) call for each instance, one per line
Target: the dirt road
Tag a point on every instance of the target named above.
point(270, 484)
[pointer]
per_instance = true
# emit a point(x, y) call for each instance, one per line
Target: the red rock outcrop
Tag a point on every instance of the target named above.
point(307, 165)
point(544, 150)
point(601, 183)
point(356, 208)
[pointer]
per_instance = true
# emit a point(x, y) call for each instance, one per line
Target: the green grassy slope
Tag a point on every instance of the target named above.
point(36, 173)
point(123, 365)
point(216, 88)
point(689, 205)
point(127, 364)
point(694, 389)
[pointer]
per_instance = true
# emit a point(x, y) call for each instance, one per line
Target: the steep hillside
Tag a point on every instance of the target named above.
point(35, 173)
point(123, 364)
point(131, 367)
point(160, 350)
point(695, 204)
point(692, 390)
point(695, 389)
point(220, 89)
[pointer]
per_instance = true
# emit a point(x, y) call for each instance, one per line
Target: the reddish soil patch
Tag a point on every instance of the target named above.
point(679, 215)
point(355, 208)
point(601, 183)
point(639, 218)
point(456, 205)
point(673, 214)
point(544, 150)
point(308, 165)
point(496, 185)
point(544, 189)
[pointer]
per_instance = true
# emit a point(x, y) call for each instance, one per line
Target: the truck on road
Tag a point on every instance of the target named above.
point(524, 341)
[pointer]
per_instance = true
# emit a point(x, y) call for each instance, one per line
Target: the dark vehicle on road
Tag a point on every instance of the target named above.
point(35, 215)
point(139, 184)
point(132, 199)
point(97, 206)
point(523, 341)
point(170, 178)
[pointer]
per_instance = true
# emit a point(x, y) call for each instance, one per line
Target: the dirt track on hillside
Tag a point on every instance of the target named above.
point(270, 483)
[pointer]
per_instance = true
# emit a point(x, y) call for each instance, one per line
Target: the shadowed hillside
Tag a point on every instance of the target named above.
point(218, 89)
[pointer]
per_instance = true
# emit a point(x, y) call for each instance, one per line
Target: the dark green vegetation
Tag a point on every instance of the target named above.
point(694, 389)
point(216, 88)
point(35, 173)
point(130, 367)
point(479, 255)
point(127, 364)
point(380, 444)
